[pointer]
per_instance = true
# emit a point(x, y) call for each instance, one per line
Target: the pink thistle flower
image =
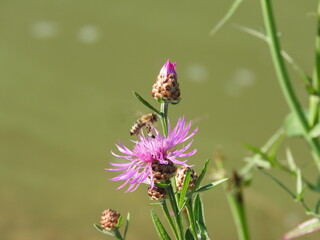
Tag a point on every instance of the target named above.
point(148, 150)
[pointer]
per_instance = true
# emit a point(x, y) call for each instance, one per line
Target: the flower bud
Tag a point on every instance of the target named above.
point(166, 88)
point(109, 219)
point(157, 193)
point(162, 172)
point(181, 175)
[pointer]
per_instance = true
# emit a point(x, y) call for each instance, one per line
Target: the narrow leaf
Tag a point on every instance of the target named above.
point(211, 185)
point(292, 125)
point(184, 189)
point(200, 178)
point(100, 229)
point(189, 235)
point(198, 212)
point(202, 174)
point(317, 207)
point(127, 226)
point(256, 150)
point(291, 162)
point(142, 100)
point(315, 131)
point(299, 184)
point(229, 14)
point(310, 226)
point(162, 185)
point(162, 233)
point(120, 221)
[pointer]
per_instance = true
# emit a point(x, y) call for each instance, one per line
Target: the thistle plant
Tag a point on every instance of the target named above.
point(300, 122)
point(154, 159)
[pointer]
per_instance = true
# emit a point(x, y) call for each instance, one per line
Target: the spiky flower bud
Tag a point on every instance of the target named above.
point(157, 193)
point(181, 175)
point(109, 219)
point(166, 87)
point(162, 172)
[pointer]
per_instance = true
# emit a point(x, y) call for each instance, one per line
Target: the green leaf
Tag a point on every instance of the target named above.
point(317, 207)
point(184, 189)
point(315, 131)
point(292, 165)
point(142, 100)
point(162, 233)
point(100, 229)
point(256, 150)
point(120, 221)
point(189, 235)
point(299, 185)
point(155, 204)
point(260, 162)
point(292, 126)
point(198, 182)
point(202, 174)
point(309, 226)
point(211, 185)
point(162, 185)
point(127, 226)
point(198, 212)
point(229, 14)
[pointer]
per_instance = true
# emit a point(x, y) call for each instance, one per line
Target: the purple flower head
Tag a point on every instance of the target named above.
point(168, 68)
point(148, 150)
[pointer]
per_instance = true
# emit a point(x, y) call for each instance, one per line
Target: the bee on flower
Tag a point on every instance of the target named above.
point(149, 155)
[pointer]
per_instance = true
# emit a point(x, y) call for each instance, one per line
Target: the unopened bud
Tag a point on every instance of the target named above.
point(181, 175)
point(162, 172)
point(109, 219)
point(166, 87)
point(157, 193)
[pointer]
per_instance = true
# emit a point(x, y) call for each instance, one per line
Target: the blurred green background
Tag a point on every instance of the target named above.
point(67, 72)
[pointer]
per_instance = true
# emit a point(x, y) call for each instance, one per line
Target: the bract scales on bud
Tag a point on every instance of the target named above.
point(166, 88)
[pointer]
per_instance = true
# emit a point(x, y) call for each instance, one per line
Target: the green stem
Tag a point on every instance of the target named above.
point(175, 209)
point(314, 98)
point(164, 118)
point(117, 234)
point(169, 219)
point(284, 80)
point(235, 200)
point(191, 219)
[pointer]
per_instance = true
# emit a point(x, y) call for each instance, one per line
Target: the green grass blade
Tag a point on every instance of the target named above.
point(162, 233)
point(226, 17)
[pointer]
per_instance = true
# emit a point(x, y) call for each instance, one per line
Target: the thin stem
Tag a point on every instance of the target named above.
point(164, 118)
point(284, 80)
point(117, 234)
point(191, 219)
point(314, 99)
point(169, 219)
point(236, 204)
point(175, 209)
